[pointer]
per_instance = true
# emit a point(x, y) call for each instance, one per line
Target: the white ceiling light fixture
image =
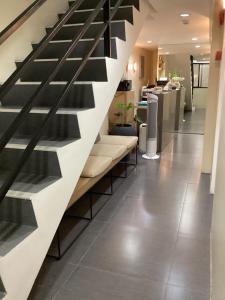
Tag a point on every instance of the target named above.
point(194, 39)
point(160, 48)
point(167, 53)
point(149, 42)
point(185, 15)
point(197, 46)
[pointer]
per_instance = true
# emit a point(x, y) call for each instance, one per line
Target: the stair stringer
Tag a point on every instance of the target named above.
point(20, 267)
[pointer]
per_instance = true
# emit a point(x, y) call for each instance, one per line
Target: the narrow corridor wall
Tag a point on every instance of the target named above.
point(150, 68)
point(218, 221)
point(214, 76)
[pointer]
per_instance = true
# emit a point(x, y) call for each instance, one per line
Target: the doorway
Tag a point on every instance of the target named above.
point(194, 121)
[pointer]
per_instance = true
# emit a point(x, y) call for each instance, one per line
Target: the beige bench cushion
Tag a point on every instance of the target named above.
point(96, 165)
point(128, 141)
point(113, 151)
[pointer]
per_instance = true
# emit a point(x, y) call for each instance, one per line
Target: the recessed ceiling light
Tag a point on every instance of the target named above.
point(197, 46)
point(194, 39)
point(184, 15)
point(149, 42)
point(167, 53)
point(160, 48)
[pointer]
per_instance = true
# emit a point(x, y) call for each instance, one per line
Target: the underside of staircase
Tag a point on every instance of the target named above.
point(35, 203)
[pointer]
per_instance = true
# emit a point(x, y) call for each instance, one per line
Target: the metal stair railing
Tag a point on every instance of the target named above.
point(8, 135)
point(18, 21)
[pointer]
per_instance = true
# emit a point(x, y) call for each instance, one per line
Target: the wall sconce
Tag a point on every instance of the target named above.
point(221, 17)
point(221, 14)
point(218, 55)
point(132, 67)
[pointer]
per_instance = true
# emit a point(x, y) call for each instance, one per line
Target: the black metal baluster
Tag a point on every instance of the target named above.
point(107, 34)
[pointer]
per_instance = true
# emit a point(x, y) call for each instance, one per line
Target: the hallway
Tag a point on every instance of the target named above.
point(151, 241)
point(194, 122)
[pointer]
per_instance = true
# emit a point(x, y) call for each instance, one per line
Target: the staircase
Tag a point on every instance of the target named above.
point(35, 202)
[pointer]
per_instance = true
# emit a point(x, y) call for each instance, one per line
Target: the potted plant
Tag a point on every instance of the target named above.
point(122, 127)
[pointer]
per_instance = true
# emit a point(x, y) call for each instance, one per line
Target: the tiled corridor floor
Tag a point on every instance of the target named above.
point(150, 242)
point(194, 122)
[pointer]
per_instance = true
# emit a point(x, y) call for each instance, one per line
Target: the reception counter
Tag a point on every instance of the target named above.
point(168, 116)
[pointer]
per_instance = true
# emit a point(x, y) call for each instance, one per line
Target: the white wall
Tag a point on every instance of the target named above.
point(105, 126)
point(181, 64)
point(150, 69)
point(214, 76)
point(10, 9)
point(218, 121)
point(218, 186)
point(200, 98)
point(18, 46)
point(218, 224)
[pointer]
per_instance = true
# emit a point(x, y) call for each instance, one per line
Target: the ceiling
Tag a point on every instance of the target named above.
point(165, 29)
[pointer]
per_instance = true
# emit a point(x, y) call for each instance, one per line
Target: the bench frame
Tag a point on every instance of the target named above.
point(77, 194)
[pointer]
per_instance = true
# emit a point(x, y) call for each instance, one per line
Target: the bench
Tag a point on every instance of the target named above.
point(105, 155)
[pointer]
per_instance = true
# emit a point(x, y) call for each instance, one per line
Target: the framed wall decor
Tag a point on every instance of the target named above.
point(142, 67)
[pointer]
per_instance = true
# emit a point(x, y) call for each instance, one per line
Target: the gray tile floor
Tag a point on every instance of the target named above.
point(194, 122)
point(151, 241)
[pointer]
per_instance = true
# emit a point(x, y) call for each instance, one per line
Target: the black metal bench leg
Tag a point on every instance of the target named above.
point(58, 257)
point(125, 166)
point(91, 205)
point(136, 155)
point(111, 187)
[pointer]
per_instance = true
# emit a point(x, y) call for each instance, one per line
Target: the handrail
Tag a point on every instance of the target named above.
point(36, 52)
point(20, 20)
point(28, 61)
point(25, 111)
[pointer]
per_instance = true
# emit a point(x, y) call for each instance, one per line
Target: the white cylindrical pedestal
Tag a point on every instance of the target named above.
point(152, 128)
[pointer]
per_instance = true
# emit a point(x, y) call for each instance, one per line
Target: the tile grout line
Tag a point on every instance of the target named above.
point(82, 257)
point(78, 264)
point(63, 284)
point(177, 234)
point(122, 274)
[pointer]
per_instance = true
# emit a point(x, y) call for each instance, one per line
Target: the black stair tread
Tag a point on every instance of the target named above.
point(43, 110)
point(43, 145)
point(81, 40)
point(11, 234)
point(63, 128)
point(27, 184)
point(68, 32)
point(64, 82)
point(94, 70)
point(56, 49)
point(91, 9)
point(81, 96)
point(93, 23)
point(92, 4)
point(81, 16)
point(68, 59)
